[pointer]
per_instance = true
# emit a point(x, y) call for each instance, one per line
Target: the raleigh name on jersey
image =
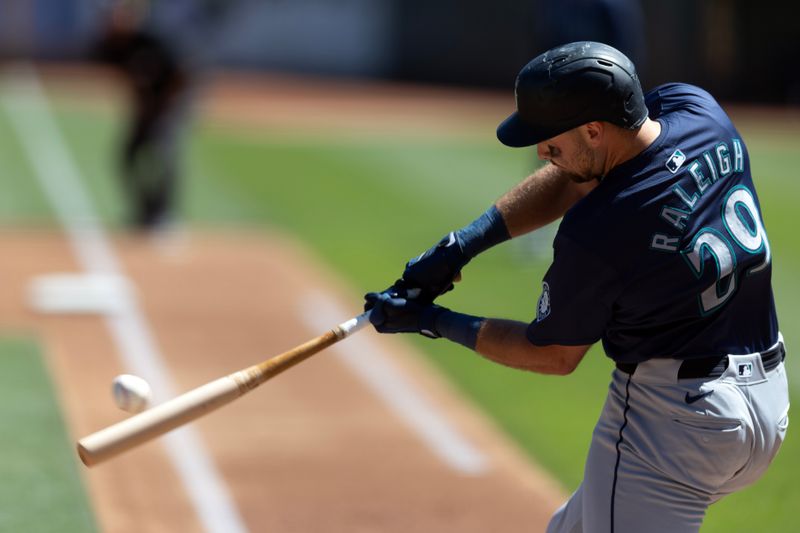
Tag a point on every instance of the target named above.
point(684, 239)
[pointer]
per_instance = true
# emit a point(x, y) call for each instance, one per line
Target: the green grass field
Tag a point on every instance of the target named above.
point(367, 205)
point(41, 491)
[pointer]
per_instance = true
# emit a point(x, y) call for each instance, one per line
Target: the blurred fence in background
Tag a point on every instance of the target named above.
point(738, 49)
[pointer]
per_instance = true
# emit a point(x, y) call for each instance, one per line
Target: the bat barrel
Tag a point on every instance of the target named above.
point(138, 429)
point(133, 431)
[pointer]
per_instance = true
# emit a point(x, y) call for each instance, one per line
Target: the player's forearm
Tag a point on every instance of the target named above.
point(505, 342)
point(541, 198)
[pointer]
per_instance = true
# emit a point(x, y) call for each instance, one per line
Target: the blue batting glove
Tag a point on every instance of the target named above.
point(396, 290)
point(394, 313)
point(434, 271)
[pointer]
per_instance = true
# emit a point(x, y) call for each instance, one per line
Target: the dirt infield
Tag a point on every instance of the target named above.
point(312, 450)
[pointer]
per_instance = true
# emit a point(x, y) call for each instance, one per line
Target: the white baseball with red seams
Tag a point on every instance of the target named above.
point(131, 393)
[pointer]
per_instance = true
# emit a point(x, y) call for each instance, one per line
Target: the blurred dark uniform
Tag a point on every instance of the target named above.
point(163, 49)
point(619, 23)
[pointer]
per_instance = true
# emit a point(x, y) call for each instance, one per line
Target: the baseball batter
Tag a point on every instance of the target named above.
point(662, 254)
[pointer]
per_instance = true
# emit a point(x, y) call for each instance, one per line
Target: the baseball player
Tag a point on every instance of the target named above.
point(662, 255)
point(164, 50)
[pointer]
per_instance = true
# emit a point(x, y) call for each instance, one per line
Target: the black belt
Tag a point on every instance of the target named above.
point(714, 366)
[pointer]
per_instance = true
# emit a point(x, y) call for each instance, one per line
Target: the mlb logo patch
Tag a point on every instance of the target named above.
point(675, 161)
point(745, 370)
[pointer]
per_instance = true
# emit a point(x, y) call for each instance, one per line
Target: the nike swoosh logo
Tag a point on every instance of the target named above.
point(691, 399)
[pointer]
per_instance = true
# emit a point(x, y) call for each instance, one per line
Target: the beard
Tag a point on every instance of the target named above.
point(585, 165)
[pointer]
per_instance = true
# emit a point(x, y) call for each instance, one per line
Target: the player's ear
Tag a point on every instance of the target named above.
point(593, 132)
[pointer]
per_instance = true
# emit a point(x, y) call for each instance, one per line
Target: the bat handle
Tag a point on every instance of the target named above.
point(347, 328)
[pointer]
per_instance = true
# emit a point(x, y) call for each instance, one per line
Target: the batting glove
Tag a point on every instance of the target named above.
point(434, 271)
point(392, 312)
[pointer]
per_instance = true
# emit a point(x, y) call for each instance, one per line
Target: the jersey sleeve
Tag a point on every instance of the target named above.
point(577, 297)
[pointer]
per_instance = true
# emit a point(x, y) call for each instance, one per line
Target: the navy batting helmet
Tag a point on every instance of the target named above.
point(571, 85)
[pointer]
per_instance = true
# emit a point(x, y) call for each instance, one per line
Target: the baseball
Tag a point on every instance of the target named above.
point(131, 393)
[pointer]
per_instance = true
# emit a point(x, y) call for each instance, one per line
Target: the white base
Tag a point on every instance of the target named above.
point(79, 293)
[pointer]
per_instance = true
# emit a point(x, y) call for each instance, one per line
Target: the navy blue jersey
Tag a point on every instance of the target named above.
point(668, 255)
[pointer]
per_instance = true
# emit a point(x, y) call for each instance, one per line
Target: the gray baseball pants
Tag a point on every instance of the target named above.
point(664, 448)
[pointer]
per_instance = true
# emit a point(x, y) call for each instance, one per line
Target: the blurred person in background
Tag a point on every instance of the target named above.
point(164, 50)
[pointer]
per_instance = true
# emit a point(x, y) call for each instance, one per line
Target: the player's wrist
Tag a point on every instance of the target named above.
point(428, 318)
point(486, 231)
point(458, 327)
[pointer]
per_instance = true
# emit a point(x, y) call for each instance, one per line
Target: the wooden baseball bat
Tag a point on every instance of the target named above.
point(138, 429)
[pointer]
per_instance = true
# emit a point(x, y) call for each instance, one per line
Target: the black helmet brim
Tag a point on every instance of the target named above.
point(516, 133)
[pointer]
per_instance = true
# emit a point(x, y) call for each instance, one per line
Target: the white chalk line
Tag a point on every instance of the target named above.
point(27, 107)
point(396, 389)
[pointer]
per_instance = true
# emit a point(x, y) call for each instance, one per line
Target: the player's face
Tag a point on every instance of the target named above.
point(572, 153)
